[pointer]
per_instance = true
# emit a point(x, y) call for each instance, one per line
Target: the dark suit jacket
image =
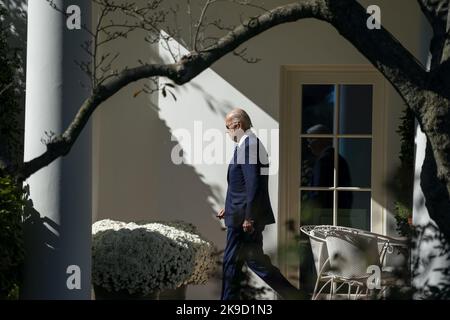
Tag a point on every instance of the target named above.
point(247, 194)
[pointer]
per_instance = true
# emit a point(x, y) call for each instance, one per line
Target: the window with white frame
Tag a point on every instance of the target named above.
point(331, 154)
point(335, 154)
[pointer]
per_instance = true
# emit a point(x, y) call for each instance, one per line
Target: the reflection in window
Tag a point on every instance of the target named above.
point(318, 162)
point(316, 207)
point(335, 161)
point(355, 109)
point(318, 106)
point(357, 153)
point(354, 209)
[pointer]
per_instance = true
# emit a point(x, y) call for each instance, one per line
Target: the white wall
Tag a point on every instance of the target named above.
point(134, 177)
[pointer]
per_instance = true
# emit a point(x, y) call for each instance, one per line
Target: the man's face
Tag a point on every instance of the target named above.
point(233, 128)
point(317, 145)
point(314, 146)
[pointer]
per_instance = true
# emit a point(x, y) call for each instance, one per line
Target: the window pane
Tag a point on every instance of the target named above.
point(316, 207)
point(317, 164)
point(354, 209)
point(355, 109)
point(355, 160)
point(318, 107)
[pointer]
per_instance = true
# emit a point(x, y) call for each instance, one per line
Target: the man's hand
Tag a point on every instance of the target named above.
point(221, 214)
point(248, 226)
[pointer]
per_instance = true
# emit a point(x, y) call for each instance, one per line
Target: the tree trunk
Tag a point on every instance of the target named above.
point(430, 255)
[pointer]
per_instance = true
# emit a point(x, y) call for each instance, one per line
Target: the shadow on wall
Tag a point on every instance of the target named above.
point(185, 195)
point(430, 261)
point(137, 179)
point(210, 100)
point(44, 244)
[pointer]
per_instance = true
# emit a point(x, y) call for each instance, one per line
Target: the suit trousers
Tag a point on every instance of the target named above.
point(242, 247)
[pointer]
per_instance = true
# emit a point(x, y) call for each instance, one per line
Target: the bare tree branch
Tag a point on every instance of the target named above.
point(56, 8)
point(387, 54)
point(176, 32)
point(145, 18)
point(61, 145)
point(200, 22)
point(400, 67)
point(191, 33)
point(436, 12)
point(6, 87)
point(243, 55)
point(247, 3)
point(202, 25)
point(219, 25)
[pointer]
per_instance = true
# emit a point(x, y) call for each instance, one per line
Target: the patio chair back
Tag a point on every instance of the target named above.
point(351, 253)
point(319, 250)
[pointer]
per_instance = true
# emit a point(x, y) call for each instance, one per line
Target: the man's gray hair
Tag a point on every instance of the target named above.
point(319, 129)
point(241, 116)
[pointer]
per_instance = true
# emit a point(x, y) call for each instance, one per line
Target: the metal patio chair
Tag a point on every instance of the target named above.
point(342, 256)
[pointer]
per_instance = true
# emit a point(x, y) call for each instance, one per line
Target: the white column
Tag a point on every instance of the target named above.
point(58, 230)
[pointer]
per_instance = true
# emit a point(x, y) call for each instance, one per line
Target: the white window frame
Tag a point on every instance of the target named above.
point(292, 79)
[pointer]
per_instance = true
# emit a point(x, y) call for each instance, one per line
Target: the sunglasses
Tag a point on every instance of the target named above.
point(235, 123)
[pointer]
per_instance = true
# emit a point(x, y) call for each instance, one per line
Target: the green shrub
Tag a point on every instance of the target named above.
point(11, 130)
point(12, 199)
point(405, 174)
point(12, 195)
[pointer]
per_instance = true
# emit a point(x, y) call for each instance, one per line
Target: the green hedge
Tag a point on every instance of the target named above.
point(404, 177)
point(12, 199)
point(12, 196)
point(11, 130)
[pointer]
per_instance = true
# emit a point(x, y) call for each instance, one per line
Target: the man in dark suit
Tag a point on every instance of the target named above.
point(247, 212)
point(323, 171)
